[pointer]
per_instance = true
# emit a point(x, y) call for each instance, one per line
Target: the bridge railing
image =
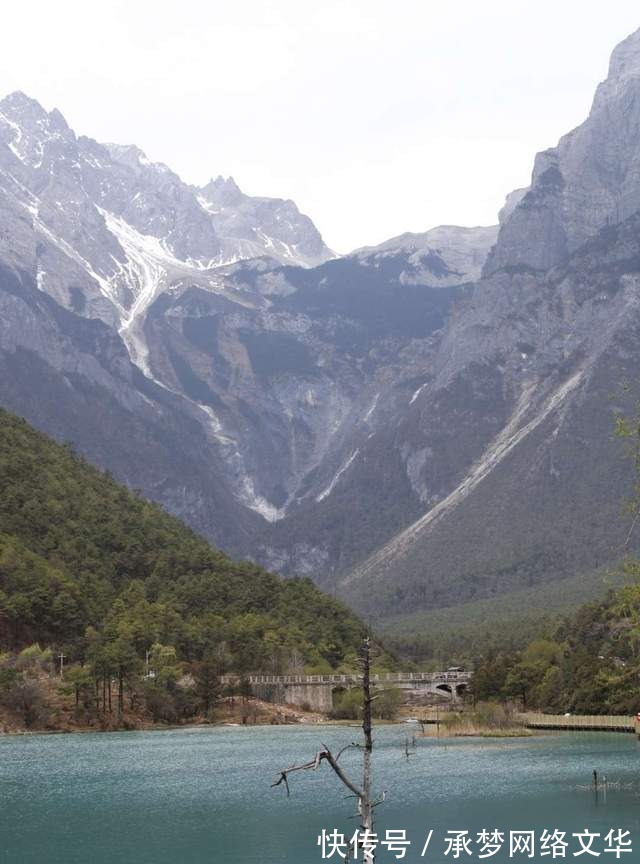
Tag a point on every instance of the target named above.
point(389, 677)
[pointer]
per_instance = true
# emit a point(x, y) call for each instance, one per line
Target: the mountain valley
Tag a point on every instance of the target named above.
point(417, 425)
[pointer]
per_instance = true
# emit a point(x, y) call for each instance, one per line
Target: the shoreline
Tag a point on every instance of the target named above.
point(502, 734)
point(219, 724)
point(256, 713)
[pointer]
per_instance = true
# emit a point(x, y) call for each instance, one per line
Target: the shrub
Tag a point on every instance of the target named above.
point(347, 705)
point(387, 704)
point(27, 699)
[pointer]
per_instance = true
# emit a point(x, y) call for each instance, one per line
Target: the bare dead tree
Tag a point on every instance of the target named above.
point(362, 792)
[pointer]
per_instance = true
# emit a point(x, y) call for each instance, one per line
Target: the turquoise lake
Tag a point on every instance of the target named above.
point(203, 795)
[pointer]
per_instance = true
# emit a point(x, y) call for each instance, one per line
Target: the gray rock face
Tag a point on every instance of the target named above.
point(528, 379)
point(284, 365)
point(511, 202)
point(447, 255)
point(591, 179)
point(250, 226)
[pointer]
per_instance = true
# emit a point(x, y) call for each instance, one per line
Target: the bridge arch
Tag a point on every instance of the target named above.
point(318, 691)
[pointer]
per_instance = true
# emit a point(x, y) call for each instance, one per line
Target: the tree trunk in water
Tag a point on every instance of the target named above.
point(120, 692)
point(366, 808)
point(363, 837)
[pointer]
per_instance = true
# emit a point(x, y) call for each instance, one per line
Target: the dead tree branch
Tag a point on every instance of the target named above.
point(322, 755)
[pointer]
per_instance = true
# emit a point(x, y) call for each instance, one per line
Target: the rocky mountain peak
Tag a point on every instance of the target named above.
point(589, 180)
point(278, 403)
point(18, 106)
point(105, 230)
point(261, 225)
point(624, 67)
point(222, 192)
point(27, 129)
point(29, 116)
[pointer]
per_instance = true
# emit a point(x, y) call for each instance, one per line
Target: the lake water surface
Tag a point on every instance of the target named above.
point(203, 795)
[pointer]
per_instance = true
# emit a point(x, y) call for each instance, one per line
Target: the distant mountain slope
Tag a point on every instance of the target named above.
point(75, 546)
point(271, 365)
point(447, 255)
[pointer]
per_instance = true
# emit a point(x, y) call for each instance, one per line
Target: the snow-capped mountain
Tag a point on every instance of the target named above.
point(106, 231)
point(417, 424)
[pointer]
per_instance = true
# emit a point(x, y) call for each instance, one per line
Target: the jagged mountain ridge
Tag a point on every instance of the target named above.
point(110, 230)
point(251, 227)
point(410, 434)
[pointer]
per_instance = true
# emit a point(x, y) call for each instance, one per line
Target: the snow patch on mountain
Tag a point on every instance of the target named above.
point(329, 489)
point(417, 393)
point(14, 143)
point(215, 426)
point(40, 278)
point(244, 485)
point(146, 267)
point(258, 503)
point(372, 408)
point(149, 269)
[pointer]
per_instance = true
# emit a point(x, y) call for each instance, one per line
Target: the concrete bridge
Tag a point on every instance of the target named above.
point(316, 691)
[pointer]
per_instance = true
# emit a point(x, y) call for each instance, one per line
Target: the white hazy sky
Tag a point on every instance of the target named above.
point(375, 116)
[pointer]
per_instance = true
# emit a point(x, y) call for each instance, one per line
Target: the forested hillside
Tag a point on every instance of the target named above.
point(591, 665)
point(94, 571)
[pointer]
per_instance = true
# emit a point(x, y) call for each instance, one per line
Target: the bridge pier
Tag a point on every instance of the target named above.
point(316, 696)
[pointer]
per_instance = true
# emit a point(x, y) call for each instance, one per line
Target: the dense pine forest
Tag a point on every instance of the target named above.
point(128, 594)
point(591, 664)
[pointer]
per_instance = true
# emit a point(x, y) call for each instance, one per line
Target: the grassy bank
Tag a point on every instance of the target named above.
point(486, 720)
